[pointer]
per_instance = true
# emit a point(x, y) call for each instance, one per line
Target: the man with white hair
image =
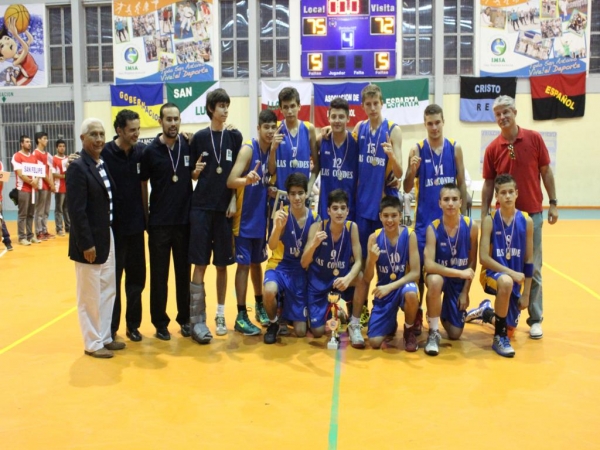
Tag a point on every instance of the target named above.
point(91, 243)
point(523, 154)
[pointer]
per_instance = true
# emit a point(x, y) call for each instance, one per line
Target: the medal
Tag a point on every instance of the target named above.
point(294, 163)
point(374, 162)
point(175, 178)
point(299, 243)
point(508, 237)
point(393, 265)
point(508, 254)
point(217, 158)
point(174, 164)
point(453, 252)
point(296, 253)
point(340, 176)
point(393, 276)
point(219, 170)
point(336, 272)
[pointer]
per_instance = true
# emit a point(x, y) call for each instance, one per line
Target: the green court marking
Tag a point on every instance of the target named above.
point(335, 402)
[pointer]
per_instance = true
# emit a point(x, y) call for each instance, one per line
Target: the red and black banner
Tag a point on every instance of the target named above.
point(558, 96)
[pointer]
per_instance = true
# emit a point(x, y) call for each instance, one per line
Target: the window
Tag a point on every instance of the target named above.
point(234, 39)
point(595, 40)
point(458, 37)
point(274, 38)
point(61, 45)
point(417, 37)
point(98, 30)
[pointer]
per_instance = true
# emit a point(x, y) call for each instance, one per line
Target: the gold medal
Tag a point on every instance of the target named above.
point(175, 178)
point(508, 255)
point(219, 170)
point(294, 163)
point(393, 276)
point(374, 162)
point(336, 272)
point(340, 176)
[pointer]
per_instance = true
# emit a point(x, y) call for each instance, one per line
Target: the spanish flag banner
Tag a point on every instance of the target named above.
point(144, 99)
point(558, 96)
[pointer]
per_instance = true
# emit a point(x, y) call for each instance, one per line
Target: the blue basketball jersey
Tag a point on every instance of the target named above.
point(330, 256)
point(338, 162)
point(433, 173)
point(291, 243)
point(374, 168)
point(393, 258)
point(250, 220)
point(454, 251)
point(508, 239)
point(292, 150)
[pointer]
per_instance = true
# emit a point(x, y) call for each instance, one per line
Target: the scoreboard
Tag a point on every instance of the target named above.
point(348, 38)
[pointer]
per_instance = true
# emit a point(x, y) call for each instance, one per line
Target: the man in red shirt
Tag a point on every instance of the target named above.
point(5, 233)
point(45, 187)
point(523, 154)
point(26, 186)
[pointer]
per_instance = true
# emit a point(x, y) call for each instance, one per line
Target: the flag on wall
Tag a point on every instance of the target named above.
point(324, 93)
point(270, 99)
point(477, 95)
point(404, 101)
point(558, 96)
point(190, 98)
point(144, 99)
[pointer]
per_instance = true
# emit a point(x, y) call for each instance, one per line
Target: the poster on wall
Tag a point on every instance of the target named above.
point(550, 139)
point(162, 41)
point(526, 38)
point(22, 55)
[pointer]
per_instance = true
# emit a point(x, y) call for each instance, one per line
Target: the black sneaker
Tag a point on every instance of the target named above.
point(9, 247)
point(271, 334)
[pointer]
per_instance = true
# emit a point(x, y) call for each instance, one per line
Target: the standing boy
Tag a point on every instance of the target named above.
point(214, 150)
point(45, 187)
point(250, 177)
point(450, 263)
point(59, 166)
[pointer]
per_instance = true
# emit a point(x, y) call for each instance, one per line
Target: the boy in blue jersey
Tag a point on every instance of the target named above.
point(506, 256)
point(338, 159)
point(450, 263)
point(432, 163)
point(214, 150)
point(333, 258)
point(249, 176)
point(394, 255)
point(294, 144)
point(285, 275)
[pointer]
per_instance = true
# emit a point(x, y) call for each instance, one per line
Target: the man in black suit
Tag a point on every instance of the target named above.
point(91, 243)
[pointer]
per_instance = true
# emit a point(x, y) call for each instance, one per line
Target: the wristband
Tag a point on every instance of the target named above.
point(528, 270)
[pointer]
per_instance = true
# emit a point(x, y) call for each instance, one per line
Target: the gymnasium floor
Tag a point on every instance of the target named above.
point(238, 393)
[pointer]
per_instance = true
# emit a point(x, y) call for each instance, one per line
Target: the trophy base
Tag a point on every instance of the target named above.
point(333, 345)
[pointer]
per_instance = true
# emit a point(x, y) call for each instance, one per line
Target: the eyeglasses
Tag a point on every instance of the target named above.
point(511, 151)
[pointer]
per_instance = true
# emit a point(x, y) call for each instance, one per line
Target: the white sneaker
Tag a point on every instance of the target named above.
point(535, 332)
point(356, 339)
point(221, 327)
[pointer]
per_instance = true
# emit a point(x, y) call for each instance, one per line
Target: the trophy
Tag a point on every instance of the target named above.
point(334, 298)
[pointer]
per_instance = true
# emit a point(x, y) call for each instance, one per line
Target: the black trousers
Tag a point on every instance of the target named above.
point(162, 241)
point(130, 257)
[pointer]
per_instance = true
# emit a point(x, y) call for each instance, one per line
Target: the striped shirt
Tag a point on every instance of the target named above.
point(104, 175)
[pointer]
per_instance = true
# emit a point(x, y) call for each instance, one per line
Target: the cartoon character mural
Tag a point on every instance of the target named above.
point(17, 44)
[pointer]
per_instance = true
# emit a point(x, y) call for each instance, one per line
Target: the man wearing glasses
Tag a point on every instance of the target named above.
point(523, 154)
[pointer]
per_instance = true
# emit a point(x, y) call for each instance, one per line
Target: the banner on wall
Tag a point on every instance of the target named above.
point(404, 101)
point(558, 96)
point(190, 98)
point(324, 93)
point(270, 98)
point(526, 38)
point(162, 41)
point(477, 95)
point(23, 58)
point(144, 99)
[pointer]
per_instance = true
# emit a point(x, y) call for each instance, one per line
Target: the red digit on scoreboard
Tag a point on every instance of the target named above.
point(343, 7)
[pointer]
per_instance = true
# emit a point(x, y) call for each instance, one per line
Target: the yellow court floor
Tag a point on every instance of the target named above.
point(239, 393)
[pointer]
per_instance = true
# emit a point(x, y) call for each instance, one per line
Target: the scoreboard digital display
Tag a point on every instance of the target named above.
point(348, 38)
